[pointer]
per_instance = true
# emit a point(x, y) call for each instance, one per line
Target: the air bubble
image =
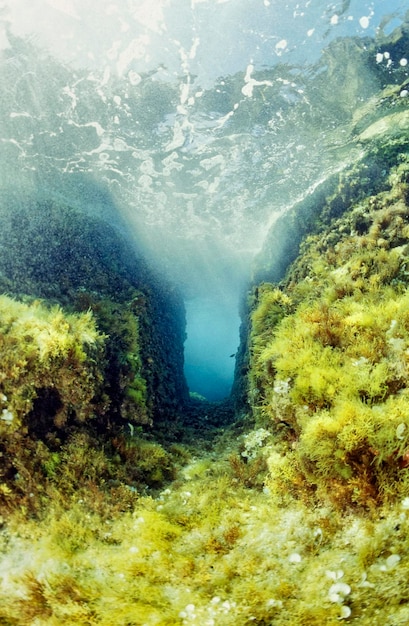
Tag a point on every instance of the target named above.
point(364, 22)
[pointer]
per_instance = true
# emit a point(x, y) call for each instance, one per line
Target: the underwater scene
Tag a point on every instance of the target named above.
point(204, 312)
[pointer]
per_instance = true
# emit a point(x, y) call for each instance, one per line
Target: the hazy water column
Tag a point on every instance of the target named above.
point(212, 340)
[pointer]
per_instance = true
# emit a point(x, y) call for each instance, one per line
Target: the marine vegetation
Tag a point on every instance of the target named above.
point(297, 513)
point(52, 251)
point(49, 364)
point(330, 351)
point(122, 504)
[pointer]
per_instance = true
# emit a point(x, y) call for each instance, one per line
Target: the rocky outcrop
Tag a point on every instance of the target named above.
point(53, 252)
point(327, 342)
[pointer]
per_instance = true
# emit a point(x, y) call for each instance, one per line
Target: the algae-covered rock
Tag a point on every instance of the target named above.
point(54, 252)
point(298, 514)
point(329, 352)
point(91, 349)
point(51, 366)
point(390, 126)
point(51, 383)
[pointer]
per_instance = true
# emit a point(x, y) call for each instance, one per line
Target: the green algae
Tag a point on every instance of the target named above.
point(57, 253)
point(329, 357)
point(44, 349)
point(302, 518)
point(206, 549)
point(299, 512)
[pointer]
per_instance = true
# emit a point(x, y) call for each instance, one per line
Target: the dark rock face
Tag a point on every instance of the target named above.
point(51, 251)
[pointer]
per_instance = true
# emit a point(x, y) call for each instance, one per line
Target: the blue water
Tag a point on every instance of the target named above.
point(210, 347)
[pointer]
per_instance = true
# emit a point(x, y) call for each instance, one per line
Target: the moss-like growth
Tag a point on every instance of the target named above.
point(300, 516)
point(51, 380)
point(208, 549)
point(47, 357)
point(330, 351)
point(54, 252)
point(125, 380)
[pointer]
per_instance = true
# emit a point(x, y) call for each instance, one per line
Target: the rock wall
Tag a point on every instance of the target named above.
point(327, 345)
point(53, 252)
